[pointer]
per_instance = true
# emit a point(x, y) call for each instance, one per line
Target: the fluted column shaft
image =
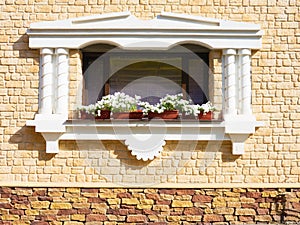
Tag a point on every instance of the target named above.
point(46, 81)
point(230, 81)
point(62, 81)
point(245, 77)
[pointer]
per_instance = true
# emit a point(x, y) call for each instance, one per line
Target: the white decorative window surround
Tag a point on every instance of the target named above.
point(54, 39)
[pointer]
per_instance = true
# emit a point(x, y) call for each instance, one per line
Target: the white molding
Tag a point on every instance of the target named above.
point(46, 79)
point(128, 32)
point(236, 39)
point(245, 78)
point(230, 81)
point(62, 81)
point(145, 139)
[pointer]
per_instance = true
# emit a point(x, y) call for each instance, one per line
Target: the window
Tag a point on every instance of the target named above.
point(149, 74)
point(144, 53)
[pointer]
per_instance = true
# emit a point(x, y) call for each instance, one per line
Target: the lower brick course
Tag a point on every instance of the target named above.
point(66, 206)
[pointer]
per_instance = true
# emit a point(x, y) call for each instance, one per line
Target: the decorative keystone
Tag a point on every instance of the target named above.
point(143, 147)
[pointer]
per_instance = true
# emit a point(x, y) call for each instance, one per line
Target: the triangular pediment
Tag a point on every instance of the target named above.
point(124, 29)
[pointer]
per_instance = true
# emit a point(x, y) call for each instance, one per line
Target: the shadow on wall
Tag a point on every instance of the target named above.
point(22, 45)
point(28, 140)
point(175, 153)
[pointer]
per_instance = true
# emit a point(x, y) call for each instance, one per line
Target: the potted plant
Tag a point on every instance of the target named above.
point(190, 111)
point(103, 107)
point(168, 107)
point(86, 112)
point(125, 107)
point(206, 111)
point(152, 110)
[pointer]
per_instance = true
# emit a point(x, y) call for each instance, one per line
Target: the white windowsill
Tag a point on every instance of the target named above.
point(145, 139)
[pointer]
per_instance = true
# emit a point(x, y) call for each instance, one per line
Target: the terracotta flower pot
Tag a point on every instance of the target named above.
point(128, 115)
point(166, 115)
point(205, 117)
point(104, 114)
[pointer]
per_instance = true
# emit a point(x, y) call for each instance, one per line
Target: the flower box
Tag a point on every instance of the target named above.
point(128, 115)
point(166, 115)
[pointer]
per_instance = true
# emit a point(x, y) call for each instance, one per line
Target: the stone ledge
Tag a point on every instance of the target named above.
point(161, 185)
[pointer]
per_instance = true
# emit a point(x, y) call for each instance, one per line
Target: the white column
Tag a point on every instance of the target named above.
point(230, 81)
point(46, 81)
point(62, 82)
point(245, 77)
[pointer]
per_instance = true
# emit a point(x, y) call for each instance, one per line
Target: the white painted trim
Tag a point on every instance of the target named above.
point(230, 81)
point(46, 79)
point(145, 139)
point(128, 32)
point(245, 78)
point(62, 81)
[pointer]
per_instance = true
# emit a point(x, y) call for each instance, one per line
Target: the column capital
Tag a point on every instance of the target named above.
point(229, 51)
point(245, 51)
point(62, 51)
point(46, 51)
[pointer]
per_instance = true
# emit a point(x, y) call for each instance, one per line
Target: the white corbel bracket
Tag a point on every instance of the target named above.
point(51, 127)
point(239, 127)
point(52, 139)
point(238, 143)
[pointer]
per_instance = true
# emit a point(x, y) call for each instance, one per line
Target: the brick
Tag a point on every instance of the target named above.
point(96, 217)
point(253, 195)
point(10, 217)
point(202, 198)
point(246, 218)
point(177, 203)
point(213, 218)
point(245, 212)
point(136, 218)
point(5, 206)
point(60, 206)
point(263, 218)
point(96, 200)
point(185, 192)
point(78, 217)
point(193, 211)
point(66, 212)
point(40, 204)
point(31, 212)
point(224, 211)
point(130, 201)
point(115, 201)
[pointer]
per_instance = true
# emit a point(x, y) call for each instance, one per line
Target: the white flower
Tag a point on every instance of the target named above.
point(191, 110)
point(207, 107)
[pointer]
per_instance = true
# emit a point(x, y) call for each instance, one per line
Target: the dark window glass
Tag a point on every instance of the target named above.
point(151, 74)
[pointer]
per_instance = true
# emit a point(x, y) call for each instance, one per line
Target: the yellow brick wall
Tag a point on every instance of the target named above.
point(272, 153)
